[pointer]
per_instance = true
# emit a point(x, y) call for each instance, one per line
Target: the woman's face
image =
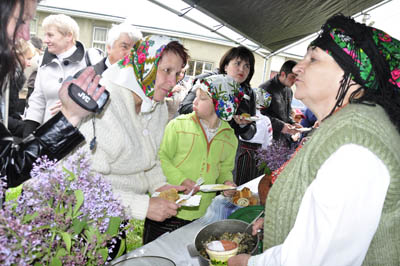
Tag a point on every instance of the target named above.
point(318, 81)
point(203, 105)
point(238, 69)
point(56, 42)
point(168, 71)
point(23, 31)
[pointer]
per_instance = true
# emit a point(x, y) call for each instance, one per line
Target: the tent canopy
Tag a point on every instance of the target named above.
point(275, 24)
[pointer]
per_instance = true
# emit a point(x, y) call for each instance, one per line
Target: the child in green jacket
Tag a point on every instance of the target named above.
point(200, 144)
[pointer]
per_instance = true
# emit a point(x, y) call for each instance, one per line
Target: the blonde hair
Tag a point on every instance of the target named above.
point(64, 24)
point(23, 47)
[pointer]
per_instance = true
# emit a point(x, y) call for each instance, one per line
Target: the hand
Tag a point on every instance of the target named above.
point(169, 186)
point(239, 260)
point(241, 120)
point(55, 108)
point(71, 110)
point(289, 129)
point(161, 209)
point(231, 192)
point(258, 225)
point(189, 185)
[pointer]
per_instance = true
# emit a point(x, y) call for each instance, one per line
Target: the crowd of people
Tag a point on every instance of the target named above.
point(334, 202)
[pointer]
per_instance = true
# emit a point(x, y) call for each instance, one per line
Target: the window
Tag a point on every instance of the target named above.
point(99, 38)
point(33, 27)
point(198, 67)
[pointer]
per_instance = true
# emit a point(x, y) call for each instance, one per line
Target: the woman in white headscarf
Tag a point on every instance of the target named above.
point(129, 133)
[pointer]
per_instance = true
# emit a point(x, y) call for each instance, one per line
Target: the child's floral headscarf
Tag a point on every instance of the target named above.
point(138, 70)
point(225, 92)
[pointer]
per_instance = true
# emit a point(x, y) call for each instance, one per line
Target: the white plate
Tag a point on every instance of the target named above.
point(215, 187)
point(193, 201)
point(304, 129)
point(252, 118)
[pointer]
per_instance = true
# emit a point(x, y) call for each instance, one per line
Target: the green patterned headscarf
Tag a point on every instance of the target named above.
point(369, 55)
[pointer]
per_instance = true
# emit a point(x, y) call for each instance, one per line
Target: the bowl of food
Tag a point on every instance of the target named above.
point(219, 251)
point(229, 230)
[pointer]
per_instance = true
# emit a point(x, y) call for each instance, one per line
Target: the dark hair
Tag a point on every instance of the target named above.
point(238, 52)
point(8, 54)
point(37, 42)
point(178, 49)
point(287, 67)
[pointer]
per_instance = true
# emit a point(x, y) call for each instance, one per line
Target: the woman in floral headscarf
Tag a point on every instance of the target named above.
point(337, 202)
point(129, 133)
point(200, 144)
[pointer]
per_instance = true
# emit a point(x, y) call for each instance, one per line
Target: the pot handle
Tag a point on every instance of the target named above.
point(192, 250)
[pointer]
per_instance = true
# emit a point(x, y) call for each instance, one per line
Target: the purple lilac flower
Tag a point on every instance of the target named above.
point(274, 156)
point(47, 197)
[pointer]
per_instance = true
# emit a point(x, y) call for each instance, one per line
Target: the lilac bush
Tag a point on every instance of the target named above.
point(273, 157)
point(66, 215)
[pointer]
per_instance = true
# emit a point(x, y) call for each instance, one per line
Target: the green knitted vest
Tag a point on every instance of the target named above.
point(358, 124)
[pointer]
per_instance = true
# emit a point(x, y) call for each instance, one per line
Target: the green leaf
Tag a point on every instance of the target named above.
point(67, 240)
point(122, 248)
point(104, 253)
point(78, 225)
point(71, 176)
point(61, 253)
point(30, 217)
point(113, 226)
point(55, 262)
point(37, 264)
point(79, 201)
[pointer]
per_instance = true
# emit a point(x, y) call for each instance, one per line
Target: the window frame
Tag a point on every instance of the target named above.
point(99, 42)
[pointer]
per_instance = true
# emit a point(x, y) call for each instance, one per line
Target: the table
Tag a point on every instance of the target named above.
point(174, 245)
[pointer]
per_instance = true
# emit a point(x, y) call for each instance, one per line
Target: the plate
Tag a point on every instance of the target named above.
point(215, 187)
point(247, 214)
point(304, 129)
point(193, 201)
point(252, 118)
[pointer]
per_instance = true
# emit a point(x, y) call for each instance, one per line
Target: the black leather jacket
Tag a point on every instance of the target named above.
point(247, 105)
point(56, 138)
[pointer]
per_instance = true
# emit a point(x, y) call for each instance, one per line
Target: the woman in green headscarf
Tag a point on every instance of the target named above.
point(337, 202)
point(127, 136)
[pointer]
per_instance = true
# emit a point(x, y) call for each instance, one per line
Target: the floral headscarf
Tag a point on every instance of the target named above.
point(263, 98)
point(138, 70)
point(371, 56)
point(225, 92)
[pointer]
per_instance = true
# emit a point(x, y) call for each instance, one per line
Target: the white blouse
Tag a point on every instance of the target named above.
point(339, 213)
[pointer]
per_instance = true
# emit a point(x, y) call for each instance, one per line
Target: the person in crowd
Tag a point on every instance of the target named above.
point(63, 57)
point(178, 93)
point(31, 71)
point(128, 133)
point(25, 52)
point(237, 62)
point(337, 201)
point(200, 144)
point(309, 119)
point(280, 108)
point(56, 137)
point(120, 39)
point(261, 140)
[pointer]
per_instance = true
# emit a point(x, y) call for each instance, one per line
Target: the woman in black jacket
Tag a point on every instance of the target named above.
point(58, 136)
point(237, 62)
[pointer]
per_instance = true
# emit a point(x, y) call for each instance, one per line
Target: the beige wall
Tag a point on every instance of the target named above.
point(198, 50)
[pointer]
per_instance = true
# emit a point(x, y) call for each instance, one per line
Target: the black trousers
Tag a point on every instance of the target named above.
point(153, 229)
point(246, 163)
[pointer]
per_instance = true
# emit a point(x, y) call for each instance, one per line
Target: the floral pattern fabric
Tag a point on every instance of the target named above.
point(225, 92)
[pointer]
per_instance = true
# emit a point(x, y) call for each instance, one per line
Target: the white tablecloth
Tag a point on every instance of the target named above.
point(174, 245)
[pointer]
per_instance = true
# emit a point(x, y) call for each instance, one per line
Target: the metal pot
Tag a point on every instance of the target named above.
point(217, 229)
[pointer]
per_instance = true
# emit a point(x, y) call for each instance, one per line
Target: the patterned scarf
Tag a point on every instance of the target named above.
point(370, 56)
point(138, 70)
point(225, 92)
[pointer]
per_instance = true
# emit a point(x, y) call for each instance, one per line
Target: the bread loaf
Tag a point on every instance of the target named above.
point(170, 194)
